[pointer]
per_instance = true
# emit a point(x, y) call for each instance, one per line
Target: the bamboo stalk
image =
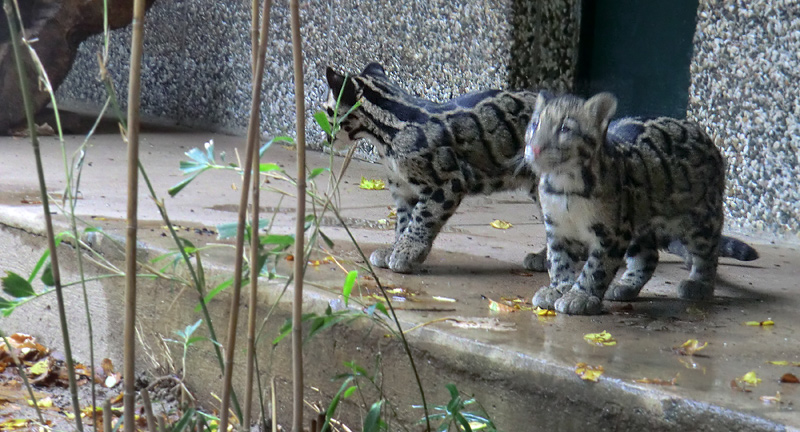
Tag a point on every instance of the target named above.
point(252, 149)
point(134, 102)
point(256, 42)
point(148, 410)
point(107, 416)
point(297, 304)
point(51, 244)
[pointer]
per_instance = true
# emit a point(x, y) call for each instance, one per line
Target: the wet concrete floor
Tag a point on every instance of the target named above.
point(471, 263)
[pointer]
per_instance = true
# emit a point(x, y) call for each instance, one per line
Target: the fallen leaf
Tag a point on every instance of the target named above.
point(760, 323)
point(40, 367)
point(544, 312)
point(750, 378)
point(600, 339)
point(521, 273)
point(392, 214)
point(771, 399)
point(14, 424)
point(589, 373)
point(107, 365)
point(736, 387)
point(690, 347)
point(657, 381)
point(289, 257)
point(444, 299)
point(779, 362)
point(46, 402)
point(499, 307)
point(790, 378)
point(500, 224)
point(374, 184)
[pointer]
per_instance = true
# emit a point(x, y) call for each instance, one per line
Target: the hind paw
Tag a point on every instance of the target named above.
point(578, 302)
point(621, 292)
point(546, 297)
point(696, 290)
point(536, 262)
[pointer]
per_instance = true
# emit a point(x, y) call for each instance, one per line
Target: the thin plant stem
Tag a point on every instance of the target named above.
point(252, 149)
point(51, 244)
point(132, 136)
point(256, 42)
point(297, 304)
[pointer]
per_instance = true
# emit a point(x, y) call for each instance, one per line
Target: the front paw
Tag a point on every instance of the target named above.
point(536, 262)
point(546, 297)
point(576, 302)
point(407, 256)
point(380, 257)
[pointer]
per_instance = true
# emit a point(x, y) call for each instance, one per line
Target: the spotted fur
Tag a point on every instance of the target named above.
point(618, 191)
point(435, 153)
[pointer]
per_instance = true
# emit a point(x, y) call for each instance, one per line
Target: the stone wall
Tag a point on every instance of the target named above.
point(197, 54)
point(745, 89)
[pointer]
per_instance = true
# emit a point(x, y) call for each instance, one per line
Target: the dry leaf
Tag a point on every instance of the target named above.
point(374, 184)
point(760, 323)
point(690, 347)
point(771, 399)
point(736, 387)
point(482, 324)
point(499, 307)
point(790, 378)
point(779, 362)
point(46, 402)
point(500, 224)
point(589, 373)
point(600, 339)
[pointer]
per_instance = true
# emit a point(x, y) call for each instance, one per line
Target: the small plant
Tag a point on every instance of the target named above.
point(454, 415)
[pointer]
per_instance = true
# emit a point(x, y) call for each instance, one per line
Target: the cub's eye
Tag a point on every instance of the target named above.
point(565, 128)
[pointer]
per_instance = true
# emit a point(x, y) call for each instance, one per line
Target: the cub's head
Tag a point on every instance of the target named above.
point(565, 131)
point(343, 104)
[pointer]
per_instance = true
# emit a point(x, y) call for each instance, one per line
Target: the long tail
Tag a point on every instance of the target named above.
point(729, 247)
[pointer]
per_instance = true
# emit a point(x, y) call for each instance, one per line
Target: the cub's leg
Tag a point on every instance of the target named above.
point(405, 200)
point(641, 259)
point(562, 265)
point(424, 222)
point(605, 257)
point(703, 246)
point(536, 261)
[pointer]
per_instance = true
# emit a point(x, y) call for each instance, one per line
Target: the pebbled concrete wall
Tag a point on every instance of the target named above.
point(745, 90)
point(197, 54)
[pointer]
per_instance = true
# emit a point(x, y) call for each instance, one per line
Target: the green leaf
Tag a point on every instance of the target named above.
point(191, 328)
point(326, 239)
point(372, 422)
point(191, 341)
point(181, 424)
point(39, 265)
point(198, 155)
point(349, 281)
point(358, 370)
point(349, 392)
point(463, 422)
point(334, 403)
point(16, 286)
point(322, 120)
point(269, 143)
point(183, 183)
point(317, 171)
point(210, 150)
point(6, 306)
point(267, 167)
point(211, 294)
point(228, 229)
point(189, 167)
point(277, 239)
point(47, 275)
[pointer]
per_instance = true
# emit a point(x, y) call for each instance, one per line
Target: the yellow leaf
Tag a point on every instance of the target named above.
point(588, 373)
point(779, 362)
point(500, 224)
point(13, 424)
point(600, 339)
point(40, 367)
point(657, 381)
point(544, 312)
point(690, 347)
point(760, 323)
point(750, 378)
point(374, 184)
point(46, 402)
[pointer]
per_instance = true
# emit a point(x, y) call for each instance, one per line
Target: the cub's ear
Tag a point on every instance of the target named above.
point(542, 100)
point(335, 79)
point(601, 107)
point(374, 69)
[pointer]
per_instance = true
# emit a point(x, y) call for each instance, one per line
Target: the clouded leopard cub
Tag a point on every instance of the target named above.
point(620, 190)
point(435, 153)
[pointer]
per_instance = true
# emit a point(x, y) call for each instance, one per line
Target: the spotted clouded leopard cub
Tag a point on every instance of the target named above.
point(614, 191)
point(435, 153)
